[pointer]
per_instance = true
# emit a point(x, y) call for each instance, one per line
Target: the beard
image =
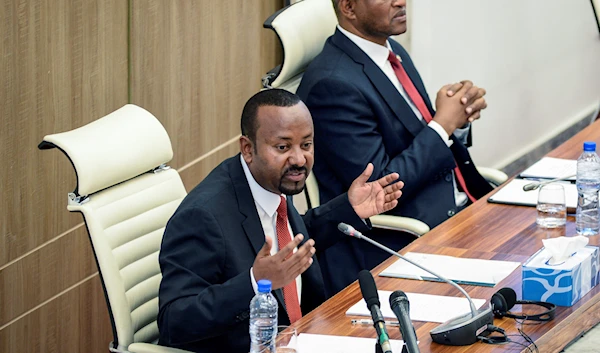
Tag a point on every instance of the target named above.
point(299, 186)
point(293, 188)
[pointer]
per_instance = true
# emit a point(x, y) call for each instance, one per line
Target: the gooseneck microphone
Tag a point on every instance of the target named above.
point(400, 307)
point(369, 293)
point(459, 331)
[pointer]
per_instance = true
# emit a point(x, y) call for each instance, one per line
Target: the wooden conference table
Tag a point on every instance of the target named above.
point(487, 231)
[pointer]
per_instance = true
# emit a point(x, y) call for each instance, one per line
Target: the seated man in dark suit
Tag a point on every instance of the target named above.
point(236, 227)
point(369, 104)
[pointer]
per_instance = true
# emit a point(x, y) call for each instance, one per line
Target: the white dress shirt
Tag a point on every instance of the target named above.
point(379, 54)
point(266, 204)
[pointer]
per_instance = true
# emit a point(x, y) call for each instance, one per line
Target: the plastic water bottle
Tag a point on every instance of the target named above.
point(263, 319)
point(588, 184)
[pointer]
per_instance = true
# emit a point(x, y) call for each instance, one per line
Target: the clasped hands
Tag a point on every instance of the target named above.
point(367, 199)
point(458, 104)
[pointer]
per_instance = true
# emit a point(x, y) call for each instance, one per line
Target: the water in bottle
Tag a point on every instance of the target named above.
point(588, 184)
point(263, 319)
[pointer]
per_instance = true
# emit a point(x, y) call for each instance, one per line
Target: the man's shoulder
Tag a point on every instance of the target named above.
point(216, 190)
point(331, 64)
point(331, 58)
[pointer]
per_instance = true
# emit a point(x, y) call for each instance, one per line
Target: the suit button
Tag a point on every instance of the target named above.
point(451, 213)
point(449, 177)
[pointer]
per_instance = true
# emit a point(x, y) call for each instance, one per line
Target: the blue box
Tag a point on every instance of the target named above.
point(563, 284)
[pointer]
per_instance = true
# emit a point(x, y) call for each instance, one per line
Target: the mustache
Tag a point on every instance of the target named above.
point(402, 11)
point(295, 169)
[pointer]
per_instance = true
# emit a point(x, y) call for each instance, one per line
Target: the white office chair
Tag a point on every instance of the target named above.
point(126, 195)
point(303, 28)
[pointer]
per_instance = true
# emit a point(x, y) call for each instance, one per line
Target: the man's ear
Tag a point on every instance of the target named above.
point(246, 149)
point(346, 8)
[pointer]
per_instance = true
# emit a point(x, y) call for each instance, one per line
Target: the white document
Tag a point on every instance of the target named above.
point(423, 307)
point(310, 343)
point(551, 168)
point(477, 272)
point(513, 194)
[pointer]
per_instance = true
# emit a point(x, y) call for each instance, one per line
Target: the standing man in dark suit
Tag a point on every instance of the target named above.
point(369, 104)
point(236, 227)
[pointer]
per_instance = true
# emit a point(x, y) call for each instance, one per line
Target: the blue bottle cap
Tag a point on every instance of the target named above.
point(264, 286)
point(589, 146)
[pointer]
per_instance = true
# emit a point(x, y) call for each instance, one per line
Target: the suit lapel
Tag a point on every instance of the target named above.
point(252, 226)
point(296, 221)
point(381, 83)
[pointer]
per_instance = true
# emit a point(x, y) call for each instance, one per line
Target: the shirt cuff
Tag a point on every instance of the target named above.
point(440, 131)
point(253, 280)
point(463, 133)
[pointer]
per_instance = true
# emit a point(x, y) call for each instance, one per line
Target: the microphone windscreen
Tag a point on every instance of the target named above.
point(368, 288)
point(344, 228)
point(398, 297)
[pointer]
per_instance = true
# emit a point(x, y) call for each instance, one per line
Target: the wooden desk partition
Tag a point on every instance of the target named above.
point(483, 230)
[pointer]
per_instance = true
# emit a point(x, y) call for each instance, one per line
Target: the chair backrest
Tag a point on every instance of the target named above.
point(302, 29)
point(126, 195)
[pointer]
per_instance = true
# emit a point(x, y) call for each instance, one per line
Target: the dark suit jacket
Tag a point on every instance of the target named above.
point(208, 248)
point(360, 117)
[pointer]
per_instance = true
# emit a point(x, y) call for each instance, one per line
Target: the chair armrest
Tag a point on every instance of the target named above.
point(152, 348)
point(405, 224)
point(493, 176)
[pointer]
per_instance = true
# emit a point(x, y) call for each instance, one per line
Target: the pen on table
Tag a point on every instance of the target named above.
point(566, 180)
point(370, 322)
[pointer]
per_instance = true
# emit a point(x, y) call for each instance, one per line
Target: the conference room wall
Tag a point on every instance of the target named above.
point(194, 65)
point(538, 61)
point(65, 63)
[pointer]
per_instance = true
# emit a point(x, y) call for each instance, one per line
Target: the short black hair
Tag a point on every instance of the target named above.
point(269, 97)
point(336, 6)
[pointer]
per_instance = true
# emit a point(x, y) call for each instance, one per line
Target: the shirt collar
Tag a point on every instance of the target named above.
point(378, 53)
point(268, 201)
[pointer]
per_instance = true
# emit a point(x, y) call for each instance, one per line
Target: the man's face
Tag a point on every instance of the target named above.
point(379, 19)
point(282, 155)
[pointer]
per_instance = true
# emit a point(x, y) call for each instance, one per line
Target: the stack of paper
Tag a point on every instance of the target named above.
point(423, 307)
point(551, 168)
point(310, 343)
point(513, 194)
point(476, 272)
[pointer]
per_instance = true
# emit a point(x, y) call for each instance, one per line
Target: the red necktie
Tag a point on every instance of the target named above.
point(416, 98)
point(290, 291)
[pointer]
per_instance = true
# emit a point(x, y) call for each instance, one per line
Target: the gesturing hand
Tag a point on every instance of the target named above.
point(280, 269)
point(370, 199)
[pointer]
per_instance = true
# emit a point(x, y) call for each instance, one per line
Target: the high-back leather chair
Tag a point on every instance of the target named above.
point(126, 194)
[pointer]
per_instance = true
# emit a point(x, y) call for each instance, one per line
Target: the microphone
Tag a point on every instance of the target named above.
point(459, 331)
point(400, 307)
point(369, 293)
point(535, 185)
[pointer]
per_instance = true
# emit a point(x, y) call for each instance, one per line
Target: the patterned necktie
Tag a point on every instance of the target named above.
point(416, 98)
point(290, 291)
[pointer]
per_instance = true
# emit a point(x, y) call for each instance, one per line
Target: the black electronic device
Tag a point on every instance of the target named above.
point(401, 308)
point(369, 292)
point(504, 299)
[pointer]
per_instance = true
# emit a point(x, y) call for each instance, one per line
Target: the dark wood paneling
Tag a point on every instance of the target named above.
point(63, 64)
point(195, 63)
point(45, 273)
point(74, 322)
